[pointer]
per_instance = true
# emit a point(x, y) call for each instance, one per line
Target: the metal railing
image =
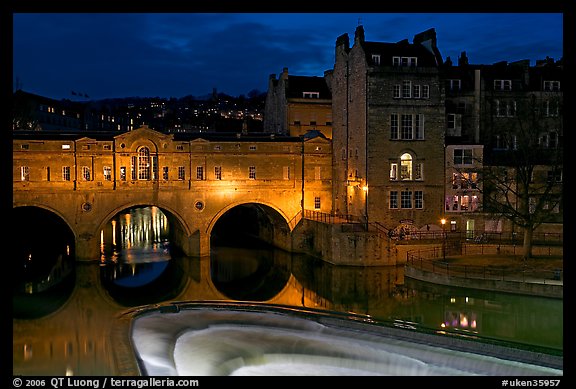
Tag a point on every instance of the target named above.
point(431, 260)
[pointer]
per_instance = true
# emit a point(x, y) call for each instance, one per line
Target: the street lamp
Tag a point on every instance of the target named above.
point(443, 222)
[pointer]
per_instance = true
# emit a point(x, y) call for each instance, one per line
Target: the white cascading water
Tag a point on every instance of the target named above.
point(217, 342)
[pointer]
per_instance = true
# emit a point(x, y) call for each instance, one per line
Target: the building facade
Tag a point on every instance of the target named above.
point(298, 104)
point(388, 131)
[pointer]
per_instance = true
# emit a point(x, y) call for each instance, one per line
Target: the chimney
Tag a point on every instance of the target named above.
point(359, 35)
point(463, 59)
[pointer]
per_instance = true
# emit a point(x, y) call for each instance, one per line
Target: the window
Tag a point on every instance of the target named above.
point(376, 59)
point(406, 167)
point(252, 172)
point(165, 174)
point(408, 61)
point(407, 89)
point(311, 95)
point(199, 172)
point(451, 121)
point(395, 61)
point(425, 91)
point(505, 108)
point(393, 199)
point(217, 172)
point(394, 171)
point(416, 91)
point(144, 163)
point(85, 173)
point(552, 86)
point(316, 202)
point(418, 199)
point(24, 173)
point(454, 85)
point(65, 147)
point(397, 92)
point(419, 126)
point(462, 156)
point(252, 148)
point(503, 85)
point(394, 126)
point(406, 199)
point(406, 130)
point(554, 176)
point(551, 108)
point(107, 173)
point(286, 172)
point(65, 173)
point(181, 173)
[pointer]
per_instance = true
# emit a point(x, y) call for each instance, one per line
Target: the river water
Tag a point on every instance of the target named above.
point(64, 313)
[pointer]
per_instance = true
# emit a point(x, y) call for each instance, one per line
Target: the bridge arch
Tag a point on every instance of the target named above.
point(230, 206)
point(276, 230)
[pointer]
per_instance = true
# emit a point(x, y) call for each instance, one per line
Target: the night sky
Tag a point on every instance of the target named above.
point(100, 55)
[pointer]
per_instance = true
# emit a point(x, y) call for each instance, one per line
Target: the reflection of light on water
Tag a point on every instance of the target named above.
point(228, 342)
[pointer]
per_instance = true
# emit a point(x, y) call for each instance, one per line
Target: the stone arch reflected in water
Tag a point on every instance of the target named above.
point(139, 265)
point(245, 263)
point(43, 262)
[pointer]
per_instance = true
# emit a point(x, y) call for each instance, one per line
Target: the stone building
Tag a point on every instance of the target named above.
point(388, 131)
point(298, 104)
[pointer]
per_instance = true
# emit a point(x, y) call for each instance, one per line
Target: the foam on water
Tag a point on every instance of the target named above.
point(217, 342)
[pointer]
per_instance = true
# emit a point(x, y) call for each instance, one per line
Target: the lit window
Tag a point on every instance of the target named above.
point(107, 173)
point(85, 173)
point(65, 173)
point(24, 173)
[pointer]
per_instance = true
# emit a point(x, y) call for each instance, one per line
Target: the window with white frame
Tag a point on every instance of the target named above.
point(394, 133)
point(463, 157)
point(24, 173)
point(503, 85)
point(418, 199)
point(376, 59)
point(393, 202)
point(397, 91)
point(66, 173)
point(85, 173)
point(416, 92)
point(199, 172)
point(406, 89)
point(454, 84)
point(107, 173)
point(405, 167)
point(311, 95)
point(552, 86)
point(425, 91)
point(144, 163)
point(406, 199)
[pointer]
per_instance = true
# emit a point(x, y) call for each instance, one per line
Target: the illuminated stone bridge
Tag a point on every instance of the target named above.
point(87, 179)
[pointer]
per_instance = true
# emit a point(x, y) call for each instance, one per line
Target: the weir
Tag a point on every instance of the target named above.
point(257, 340)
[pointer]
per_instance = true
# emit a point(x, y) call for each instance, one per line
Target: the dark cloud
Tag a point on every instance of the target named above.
point(173, 55)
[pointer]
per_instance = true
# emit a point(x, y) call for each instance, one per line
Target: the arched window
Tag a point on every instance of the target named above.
point(406, 167)
point(144, 163)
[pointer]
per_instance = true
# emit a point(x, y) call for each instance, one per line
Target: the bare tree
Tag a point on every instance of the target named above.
point(522, 175)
